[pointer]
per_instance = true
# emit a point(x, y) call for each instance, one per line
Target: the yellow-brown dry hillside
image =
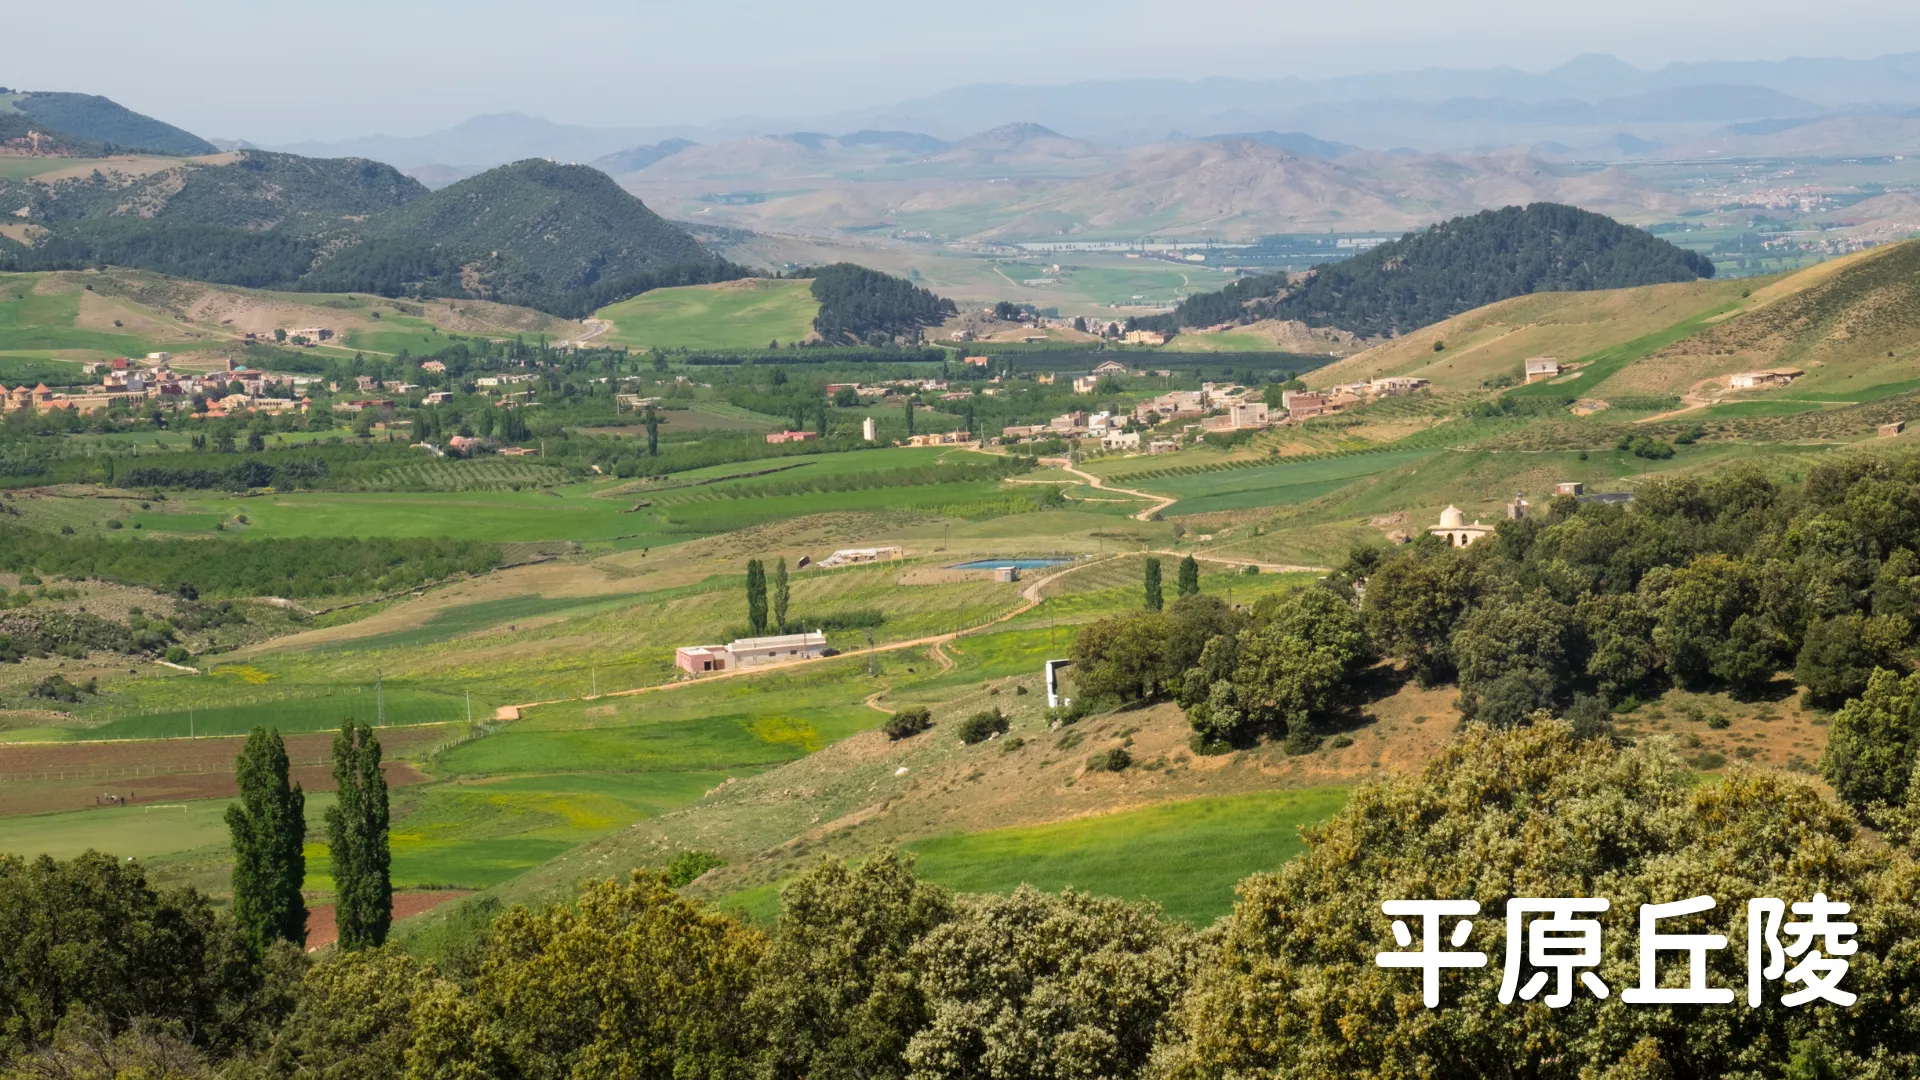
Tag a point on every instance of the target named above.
point(1837, 320)
point(1849, 324)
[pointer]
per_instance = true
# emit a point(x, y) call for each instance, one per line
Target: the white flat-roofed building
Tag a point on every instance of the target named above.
point(747, 652)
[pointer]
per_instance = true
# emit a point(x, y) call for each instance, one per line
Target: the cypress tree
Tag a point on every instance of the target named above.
point(269, 827)
point(1154, 600)
point(909, 417)
point(1189, 576)
point(823, 421)
point(780, 595)
point(756, 597)
point(653, 432)
point(357, 840)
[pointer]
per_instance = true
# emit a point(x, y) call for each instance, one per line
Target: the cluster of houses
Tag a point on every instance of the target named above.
point(1303, 404)
point(124, 381)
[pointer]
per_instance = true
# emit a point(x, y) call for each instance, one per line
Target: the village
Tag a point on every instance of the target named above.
point(127, 382)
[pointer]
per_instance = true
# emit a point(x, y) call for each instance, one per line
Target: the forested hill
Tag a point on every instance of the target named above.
point(89, 118)
point(1455, 266)
point(858, 304)
point(256, 219)
point(562, 238)
point(532, 233)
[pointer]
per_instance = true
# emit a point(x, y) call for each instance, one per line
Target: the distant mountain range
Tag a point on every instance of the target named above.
point(1580, 104)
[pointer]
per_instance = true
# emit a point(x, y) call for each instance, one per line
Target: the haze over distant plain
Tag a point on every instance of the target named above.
point(308, 70)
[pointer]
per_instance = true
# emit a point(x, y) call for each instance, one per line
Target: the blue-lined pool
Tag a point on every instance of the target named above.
point(1022, 564)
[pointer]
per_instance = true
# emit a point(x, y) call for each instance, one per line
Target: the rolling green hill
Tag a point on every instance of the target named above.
point(744, 314)
point(1452, 268)
point(531, 233)
point(560, 238)
point(95, 315)
point(99, 120)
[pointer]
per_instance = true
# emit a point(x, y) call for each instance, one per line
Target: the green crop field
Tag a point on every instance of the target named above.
point(35, 322)
point(309, 708)
point(15, 371)
point(733, 315)
point(140, 831)
point(475, 835)
point(1273, 485)
point(1185, 856)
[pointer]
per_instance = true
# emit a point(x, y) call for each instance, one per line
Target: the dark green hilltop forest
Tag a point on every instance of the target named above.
point(857, 304)
point(531, 233)
point(562, 238)
point(94, 123)
point(1454, 267)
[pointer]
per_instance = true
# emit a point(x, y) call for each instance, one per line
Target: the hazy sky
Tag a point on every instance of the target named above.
point(277, 72)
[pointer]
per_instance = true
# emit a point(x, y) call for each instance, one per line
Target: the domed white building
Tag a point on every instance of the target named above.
point(1454, 529)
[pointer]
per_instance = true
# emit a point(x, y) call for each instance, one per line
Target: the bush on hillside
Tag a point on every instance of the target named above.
point(982, 726)
point(907, 723)
point(687, 866)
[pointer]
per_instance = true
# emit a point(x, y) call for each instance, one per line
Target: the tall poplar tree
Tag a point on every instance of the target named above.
point(269, 827)
point(780, 594)
point(357, 840)
point(1189, 576)
point(653, 432)
point(909, 417)
point(1155, 601)
point(756, 597)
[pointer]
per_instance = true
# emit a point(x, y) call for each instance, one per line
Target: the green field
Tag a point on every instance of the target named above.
point(15, 371)
point(44, 322)
point(136, 831)
point(734, 315)
point(1273, 485)
point(1185, 856)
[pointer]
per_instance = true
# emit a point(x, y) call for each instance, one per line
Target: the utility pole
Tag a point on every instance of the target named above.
point(469, 708)
point(873, 661)
point(593, 674)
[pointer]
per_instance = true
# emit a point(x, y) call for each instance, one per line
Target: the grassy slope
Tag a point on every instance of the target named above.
point(73, 316)
point(733, 315)
point(1185, 856)
point(1492, 341)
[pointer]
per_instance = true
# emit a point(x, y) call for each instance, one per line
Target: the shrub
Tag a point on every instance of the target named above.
point(982, 726)
point(57, 688)
point(29, 579)
point(907, 723)
point(1340, 742)
point(1069, 714)
point(1114, 760)
point(689, 865)
point(178, 655)
point(1719, 723)
point(1707, 761)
